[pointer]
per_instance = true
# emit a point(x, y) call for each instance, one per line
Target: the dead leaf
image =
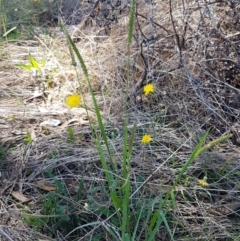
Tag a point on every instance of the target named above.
point(50, 122)
point(44, 240)
point(80, 121)
point(20, 197)
point(45, 186)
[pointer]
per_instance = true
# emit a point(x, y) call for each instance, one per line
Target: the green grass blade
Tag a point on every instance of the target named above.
point(156, 224)
point(75, 49)
point(84, 68)
point(131, 22)
point(197, 151)
point(155, 221)
point(110, 179)
point(27, 67)
point(136, 225)
point(127, 147)
point(9, 31)
point(126, 210)
point(97, 223)
point(127, 237)
point(79, 191)
point(166, 224)
point(131, 140)
point(126, 175)
point(34, 62)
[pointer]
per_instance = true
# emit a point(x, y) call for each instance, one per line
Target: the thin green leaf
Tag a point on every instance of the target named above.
point(166, 224)
point(34, 62)
point(126, 210)
point(9, 31)
point(28, 138)
point(61, 189)
point(131, 140)
point(84, 68)
point(153, 220)
point(136, 225)
point(157, 222)
point(24, 66)
point(131, 22)
point(110, 178)
point(127, 237)
point(184, 168)
point(115, 200)
point(71, 136)
point(197, 151)
point(73, 45)
point(96, 224)
point(79, 191)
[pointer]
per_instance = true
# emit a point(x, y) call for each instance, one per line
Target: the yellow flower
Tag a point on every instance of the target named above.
point(203, 183)
point(146, 139)
point(148, 89)
point(73, 100)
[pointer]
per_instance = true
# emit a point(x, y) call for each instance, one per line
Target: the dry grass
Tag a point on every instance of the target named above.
point(193, 61)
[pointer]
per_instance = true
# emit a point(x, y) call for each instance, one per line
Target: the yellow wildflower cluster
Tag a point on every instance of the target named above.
point(203, 183)
point(146, 139)
point(73, 100)
point(148, 89)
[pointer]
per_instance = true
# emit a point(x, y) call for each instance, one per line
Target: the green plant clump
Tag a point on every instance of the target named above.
point(130, 216)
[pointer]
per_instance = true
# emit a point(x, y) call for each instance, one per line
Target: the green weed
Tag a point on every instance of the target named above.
point(3, 155)
point(71, 136)
point(28, 138)
point(123, 213)
point(59, 211)
point(34, 66)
